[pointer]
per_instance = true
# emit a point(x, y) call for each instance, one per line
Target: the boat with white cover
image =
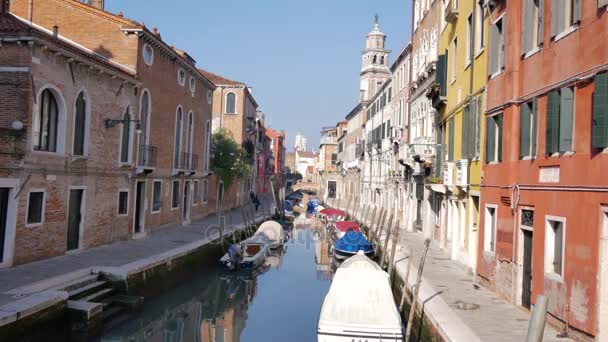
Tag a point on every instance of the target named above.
point(248, 254)
point(275, 233)
point(359, 305)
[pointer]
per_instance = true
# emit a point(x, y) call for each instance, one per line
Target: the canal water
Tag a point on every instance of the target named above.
point(282, 303)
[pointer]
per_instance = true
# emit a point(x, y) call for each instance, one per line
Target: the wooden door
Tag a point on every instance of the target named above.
point(74, 219)
point(526, 293)
point(4, 197)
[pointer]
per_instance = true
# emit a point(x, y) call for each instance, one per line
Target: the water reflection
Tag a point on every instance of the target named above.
point(218, 305)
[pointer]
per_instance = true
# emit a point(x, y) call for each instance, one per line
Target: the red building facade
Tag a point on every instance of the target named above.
point(544, 213)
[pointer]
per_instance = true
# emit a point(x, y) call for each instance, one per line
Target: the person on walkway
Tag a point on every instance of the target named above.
point(254, 199)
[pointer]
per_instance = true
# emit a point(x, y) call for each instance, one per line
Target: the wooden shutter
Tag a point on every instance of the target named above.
point(464, 136)
point(499, 136)
point(600, 111)
point(493, 63)
point(503, 42)
point(556, 8)
point(524, 130)
point(527, 20)
point(553, 102)
point(602, 3)
point(534, 137)
point(541, 21)
point(478, 119)
point(566, 116)
point(472, 132)
point(576, 11)
point(490, 139)
point(451, 142)
point(558, 229)
point(441, 74)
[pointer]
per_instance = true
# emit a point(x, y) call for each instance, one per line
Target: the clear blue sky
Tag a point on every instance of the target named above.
point(302, 57)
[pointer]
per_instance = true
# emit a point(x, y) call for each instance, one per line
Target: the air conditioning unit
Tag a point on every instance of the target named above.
point(448, 174)
point(462, 172)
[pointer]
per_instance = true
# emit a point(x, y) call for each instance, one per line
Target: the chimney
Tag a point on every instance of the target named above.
point(97, 4)
point(55, 31)
point(5, 6)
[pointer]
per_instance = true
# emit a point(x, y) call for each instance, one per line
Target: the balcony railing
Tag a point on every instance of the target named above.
point(328, 140)
point(188, 161)
point(147, 156)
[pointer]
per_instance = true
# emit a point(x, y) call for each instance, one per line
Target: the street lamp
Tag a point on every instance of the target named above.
point(109, 123)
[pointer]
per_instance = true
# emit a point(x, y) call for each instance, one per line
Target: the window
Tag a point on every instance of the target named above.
point(181, 77)
point(123, 203)
point(157, 196)
point(564, 15)
point(231, 103)
point(494, 138)
point(600, 111)
point(175, 195)
point(205, 190)
point(497, 47)
point(209, 96)
point(470, 38)
point(190, 132)
point(560, 116)
point(532, 25)
point(178, 139)
point(195, 195)
point(192, 84)
point(80, 118)
point(125, 143)
point(46, 123)
point(554, 245)
point(207, 144)
point(527, 129)
point(480, 27)
point(489, 230)
point(454, 59)
point(35, 207)
point(451, 139)
point(390, 94)
point(148, 53)
point(331, 189)
point(470, 128)
point(144, 116)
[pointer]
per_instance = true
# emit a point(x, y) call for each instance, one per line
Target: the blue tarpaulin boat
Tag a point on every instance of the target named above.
point(351, 243)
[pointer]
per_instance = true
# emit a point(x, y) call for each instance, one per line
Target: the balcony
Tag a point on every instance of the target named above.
point(448, 174)
point(188, 161)
point(451, 11)
point(147, 157)
point(462, 173)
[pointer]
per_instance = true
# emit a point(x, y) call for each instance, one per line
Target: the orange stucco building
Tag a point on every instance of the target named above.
point(544, 213)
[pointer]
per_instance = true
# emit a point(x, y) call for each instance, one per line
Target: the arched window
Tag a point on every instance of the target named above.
point(80, 124)
point(46, 123)
point(144, 117)
point(125, 145)
point(178, 137)
point(231, 103)
point(375, 59)
point(382, 60)
point(189, 146)
point(207, 144)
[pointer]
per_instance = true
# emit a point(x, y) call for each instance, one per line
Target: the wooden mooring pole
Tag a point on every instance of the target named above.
point(410, 320)
point(391, 264)
point(388, 236)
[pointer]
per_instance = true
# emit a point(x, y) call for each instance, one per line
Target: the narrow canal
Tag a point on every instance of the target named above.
point(280, 304)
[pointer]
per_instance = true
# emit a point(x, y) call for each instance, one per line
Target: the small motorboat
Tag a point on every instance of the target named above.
point(333, 215)
point(274, 232)
point(359, 305)
point(350, 244)
point(339, 228)
point(248, 254)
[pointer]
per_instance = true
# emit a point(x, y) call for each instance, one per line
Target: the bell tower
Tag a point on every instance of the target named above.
point(374, 63)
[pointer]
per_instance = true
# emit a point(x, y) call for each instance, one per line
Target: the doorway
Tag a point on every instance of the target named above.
point(4, 198)
point(74, 218)
point(603, 275)
point(140, 200)
point(186, 207)
point(526, 281)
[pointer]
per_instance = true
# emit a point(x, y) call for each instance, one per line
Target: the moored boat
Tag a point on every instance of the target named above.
point(359, 305)
point(275, 233)
point(339, 228)
point(248, 254)
point(350, 244)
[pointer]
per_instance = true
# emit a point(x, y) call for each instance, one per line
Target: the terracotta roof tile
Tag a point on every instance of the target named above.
point(10, 24)
point(219, 80)
point(306, 154)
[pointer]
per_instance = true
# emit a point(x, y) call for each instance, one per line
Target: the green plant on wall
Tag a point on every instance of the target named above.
point(228, 159)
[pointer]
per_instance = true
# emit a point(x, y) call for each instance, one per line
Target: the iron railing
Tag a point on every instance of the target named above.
point(147, 156)
point(188, 161)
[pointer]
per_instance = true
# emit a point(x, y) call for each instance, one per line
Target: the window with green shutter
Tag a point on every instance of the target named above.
point(553, 103)
point(600, 111)
point(566, 119)
point(441, 74)
point(498, 120)
point(525, 119)
point(465, 136)
point(490, 140)
point(451, 140)
point(478, 118)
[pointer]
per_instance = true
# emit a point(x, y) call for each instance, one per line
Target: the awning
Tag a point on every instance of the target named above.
point(440, 188)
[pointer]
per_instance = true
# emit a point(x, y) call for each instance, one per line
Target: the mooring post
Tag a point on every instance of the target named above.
point(379, 241)
point(536, 327)
point(409, 255)
point(391, 264)
point(370, 223)
point(389, 230)
point(379, 226)
point(410, 320)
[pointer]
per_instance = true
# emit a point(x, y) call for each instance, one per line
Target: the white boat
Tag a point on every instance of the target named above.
point(248, 254)
point(359, 305)
point(275, 233)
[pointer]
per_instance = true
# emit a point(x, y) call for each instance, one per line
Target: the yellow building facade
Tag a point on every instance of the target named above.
point(460, 100)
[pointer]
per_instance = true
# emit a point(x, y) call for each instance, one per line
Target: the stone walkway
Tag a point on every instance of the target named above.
point(117, 254)
point(494, 320)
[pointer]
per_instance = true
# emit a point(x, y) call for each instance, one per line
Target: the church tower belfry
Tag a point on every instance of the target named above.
point(374, 63)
